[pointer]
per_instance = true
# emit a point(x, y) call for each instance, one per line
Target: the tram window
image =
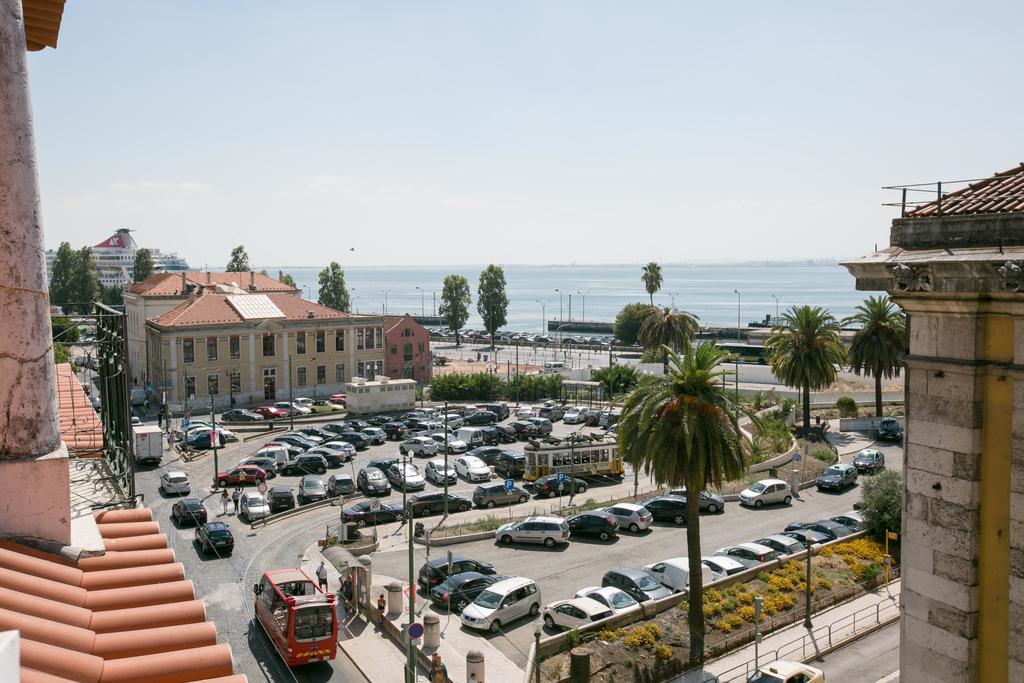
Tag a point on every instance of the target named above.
point(556, 460)
point(586, 457)
point(576, 458)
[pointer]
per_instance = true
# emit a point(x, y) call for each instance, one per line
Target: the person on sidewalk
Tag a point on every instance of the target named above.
point(321, 576)
point(382, 606)
point(224, 500)
point(236, 497)
point(438, 671)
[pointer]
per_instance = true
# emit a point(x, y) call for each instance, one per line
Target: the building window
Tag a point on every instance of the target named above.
point(211, 348)
point(234, 348)
point(188, 350)
point(380, 338)
point(300, 342)
point(407, 332)
point(190, 387)
point(339, 340)
point(321, 342)
point(421, 347)
point(321, 374)
point(268, 345)
point(300, 377)
point(339, 373)
point(359, 338)
point(407, 352)
point(236, 382)
point(212, 385)
point(394, 350)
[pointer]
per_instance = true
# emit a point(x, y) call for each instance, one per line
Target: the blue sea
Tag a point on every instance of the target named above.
point(598, 292)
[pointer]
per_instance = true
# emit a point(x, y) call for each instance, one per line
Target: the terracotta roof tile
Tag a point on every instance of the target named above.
point(1002, 193)
point(169, 284)
point(213, 308)
point(79, 424)
point(42, 22)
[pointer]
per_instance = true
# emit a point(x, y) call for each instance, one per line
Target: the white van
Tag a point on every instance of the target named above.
point(503, 603)
point(674, 573)
point(473, 436)
point(278, 453)
point(553, 367)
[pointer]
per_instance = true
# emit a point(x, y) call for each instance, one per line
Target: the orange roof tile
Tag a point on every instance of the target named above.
point(213, 308)
point(169, 284)
point(42, 22)
point(79, 424)
point(127, 616)
point(1002, 193)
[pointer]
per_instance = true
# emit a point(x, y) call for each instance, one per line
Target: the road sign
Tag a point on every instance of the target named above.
point(561, 478)
point(415, 630)
point(510, 484)
point(375, 504)
point(796, 457)
point(185, 423)
point(214, 439)
point(261, 487)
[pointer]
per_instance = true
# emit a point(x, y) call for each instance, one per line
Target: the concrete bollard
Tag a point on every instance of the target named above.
point(394, 597)
point(474, 666)
point(431, 630)
point(579, 665)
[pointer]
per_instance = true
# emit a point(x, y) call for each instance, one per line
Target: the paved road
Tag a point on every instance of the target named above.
point(869, 659)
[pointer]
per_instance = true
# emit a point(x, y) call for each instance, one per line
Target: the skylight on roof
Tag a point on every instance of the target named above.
point(255, 306)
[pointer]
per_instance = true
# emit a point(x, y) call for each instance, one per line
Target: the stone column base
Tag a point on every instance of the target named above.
point(35, 499)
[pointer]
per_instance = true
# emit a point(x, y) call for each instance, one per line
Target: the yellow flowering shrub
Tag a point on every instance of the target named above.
point(663, 652)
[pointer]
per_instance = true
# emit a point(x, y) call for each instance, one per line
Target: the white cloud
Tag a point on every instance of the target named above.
point(462, 202)
point(159, 186)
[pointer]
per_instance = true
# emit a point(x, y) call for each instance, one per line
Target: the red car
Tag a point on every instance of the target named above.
point(270, 412)
point(243, 474)
point(338, 399)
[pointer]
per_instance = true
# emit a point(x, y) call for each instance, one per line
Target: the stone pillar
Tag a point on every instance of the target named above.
point(394, 597)
point(34, 500)
point(431, 631)
point(474, 666)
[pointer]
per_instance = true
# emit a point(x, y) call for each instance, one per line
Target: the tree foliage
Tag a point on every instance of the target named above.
point(492, 301)
point(628, 322)
point(239, 261)
point(459, 387)
point(60, 275)
point(667, 328)
point(617, 379)
point(112, 295)
point(143, 267)
point(287, 279)
point(881, 502)
point(333, 292)
point(533, 387)
point(64, 332)
point(681, 428)
point(455, 302)
point(878, 346)
point(652, 279)
point(846, 406)
point(84, 285)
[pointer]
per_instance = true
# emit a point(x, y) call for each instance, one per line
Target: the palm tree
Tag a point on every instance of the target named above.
point(879, 344)
point(652, 279)
point(804, 351)
point(665, 328)
point(681, 428)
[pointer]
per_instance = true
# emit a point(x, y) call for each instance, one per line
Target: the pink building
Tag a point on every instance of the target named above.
point(407, 347)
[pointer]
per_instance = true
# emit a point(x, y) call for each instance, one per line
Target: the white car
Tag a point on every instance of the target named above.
point(722, 566)
point(454, 445)
point(615, 598)
point(343, 448)
point(454, 420)
point(175, 482)
point(292, 408)
point(376, 434)
point(225, 434)
point(436, 472)
point(525, 412)
point(765, 492)
point(418, 445)
point(472, 468)
point(631, 516)
point(303, 401)
point(405, 477)
point(254, 506)
point(574, 613)
point(573, 416)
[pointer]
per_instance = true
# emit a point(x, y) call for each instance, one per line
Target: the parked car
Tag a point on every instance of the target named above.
point(365, 512)
point(486, 453)
point(175, 482)
point(452, 420)
point(424, 504)
point(594, 523)
point(674, 573)
point(766, 492)
point(200, 439)
point(722, 566)
point(357, 439)
point(502, 603)
point(376, 435)
point(270, 412)
point(781, 671)
point(239, 415)
point(357, 425)
point(524, 412)
point(547, 530)
point(292, 408)
point(306, 464)
point(481, 417)
point(499, 409)
point(836, 477)
point(544, 426)
point(436, 471)
point(573, 416)
point(419, 445)
point(215, 537)
point(547, 486)
point(457, 591)
point(782, 544)
point(749, 554)
point(551, 413)
point(493, 493)
point(667, 509)
point(311, 490)
point(291, 450)
point(617, 599)
point(280, 498)
point(322, 434)
point(302, 443)
point(346, 451)
point(253, 506)
point(637, 583)
point(499, 434)
point(394, 430)
point(833, 530)
point(243, 474)
point(575, 612)
point(524, 429)
point(268, 465)
point(509, 464)
point(889, 429)
point(805, 536)
point(852, 519)
point(188, 511)
point(709, 502)
point(321, 406)
point(472, 469)
point(339, 398)
point(631, 516)
point(340, 485)
point(454, 445)
point(332, 456)
point(406, 477)
point(869, 461)
point(437, 569)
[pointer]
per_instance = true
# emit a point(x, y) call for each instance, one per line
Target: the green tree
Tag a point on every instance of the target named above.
point(239, 261)
point(652, 279)
point(491, 299)
point(628, 322)
point(60, 275)
point(333, 292)
point(666, 328)
point(287, 279)
point(143, 267)
point(804, 351)
point(680, 428)
point(878, 346)
point(112, 295)
point(881, 502)
point(617, 379)
point(455, 301)
point(83, 286)
point(64, 332)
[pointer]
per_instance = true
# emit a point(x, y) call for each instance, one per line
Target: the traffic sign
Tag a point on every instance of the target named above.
point(510, 484)
point(796, 457)
point(415, 630)
point(375, 504)
point(561, 478)
point(262, 487)
point(185, 423)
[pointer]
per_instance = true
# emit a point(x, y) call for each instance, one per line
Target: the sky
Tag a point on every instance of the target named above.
point(436, 133)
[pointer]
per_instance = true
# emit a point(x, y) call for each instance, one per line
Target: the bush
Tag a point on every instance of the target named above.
point(746, 613)
point(663, 652)
point(533, 387)
point(881, 501)
point(642, 637)
point(846, 406)
point(607, 636)
point(628, 322)
point(773, 434)
point(458, 387)
point(824, 455)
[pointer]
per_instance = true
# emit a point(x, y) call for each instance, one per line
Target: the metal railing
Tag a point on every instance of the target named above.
point(940, 192)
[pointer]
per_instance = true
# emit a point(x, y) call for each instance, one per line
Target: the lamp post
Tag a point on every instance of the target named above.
point(583, 312)
point(807, 589)
point(433, 298)
point(354, 299)
point(543, 314)
point(738, 328)
point(422, 293)
point(306, 287)
point(758, 603)
point(673, 295)
point(559, 304)
point(385, 300)
point(776, 308)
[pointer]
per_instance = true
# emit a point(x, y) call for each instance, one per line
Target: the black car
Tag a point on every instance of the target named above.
point(806, 535)
point(825, 527)
point(425, 504)
point(358, 439)
point(869, 461)
point(499, 434)
point(335, 427)
point(357, 425)
point(306, 464)
point(382, 464)
point(667, 509)
point(524, 429)
point(189, 511)
point(318, 433)
point(394, 430)
point(436, 569)
point(372, 482)
point(280, 498)
point(509, 464)
point(378, 420)
point(594, 523)
point(547, 486)
point(481, 417)
point(889, 430)
point(294, 440)
point(311, 490)
point(215, 537)
point(239, 415)
point(334, 458)
point(456, 592)
point(363, 513)
point(486, 453)
point(836, 477)
point(499, 409)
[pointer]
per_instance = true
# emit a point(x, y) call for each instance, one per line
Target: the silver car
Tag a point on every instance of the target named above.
point(631, 516)
point(254, 506)
point(547, 530)
point(175, 482)
point(436, 472)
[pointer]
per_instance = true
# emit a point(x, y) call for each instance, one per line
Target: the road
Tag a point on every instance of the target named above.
point(872, 658)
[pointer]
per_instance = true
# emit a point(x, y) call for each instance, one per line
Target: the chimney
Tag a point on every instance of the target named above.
point(252, 281)
point(280, 276)
point(208, 278)
point(184, 281)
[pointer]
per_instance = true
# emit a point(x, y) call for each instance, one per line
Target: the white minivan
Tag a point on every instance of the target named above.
point(473, 436)
point(674, 573)
point(278, 453)
point(503, 603)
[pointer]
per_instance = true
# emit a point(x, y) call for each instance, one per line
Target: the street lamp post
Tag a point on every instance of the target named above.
point(758, 604)
point(739, 330)
point(422, 293)
point(543, 314)
point(385, 300)
point(776, 307)
point(673, 295)
point(583, 312)
point(559, 304)
point(807, 589)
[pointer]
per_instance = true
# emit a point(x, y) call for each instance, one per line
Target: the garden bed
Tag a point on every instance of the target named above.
point(657, 649)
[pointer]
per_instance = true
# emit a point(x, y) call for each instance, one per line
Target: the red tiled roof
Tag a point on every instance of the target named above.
point(124, 617)
point(213, 308)
point(1002, 193)
point(42, 22)
point(169, 284)
point(80, 426)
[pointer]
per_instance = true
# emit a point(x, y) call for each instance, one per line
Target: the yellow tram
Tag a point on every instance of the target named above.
point(576, 454)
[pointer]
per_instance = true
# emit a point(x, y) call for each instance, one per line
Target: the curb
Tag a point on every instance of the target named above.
point(298, 510)
point(853, 639)
point(453, 540)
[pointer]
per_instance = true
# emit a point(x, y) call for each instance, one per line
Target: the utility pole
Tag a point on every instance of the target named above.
point(214, 439)
point(807, 589)
point(445, 460)
point(410, 664)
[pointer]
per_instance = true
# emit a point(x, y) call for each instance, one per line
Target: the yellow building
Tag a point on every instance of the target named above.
point(240, 347)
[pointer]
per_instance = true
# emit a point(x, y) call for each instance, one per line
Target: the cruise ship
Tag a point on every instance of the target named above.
point(115, 259)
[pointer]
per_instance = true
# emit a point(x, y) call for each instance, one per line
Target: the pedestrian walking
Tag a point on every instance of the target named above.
point(321, 576)
point(382, 605)
point(145, 405)
point(346, 591)
point(160, 419)
point(438, 671)
point(236, 498)
point(224, 500)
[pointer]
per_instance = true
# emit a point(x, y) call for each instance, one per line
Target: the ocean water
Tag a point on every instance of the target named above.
point(706, 291)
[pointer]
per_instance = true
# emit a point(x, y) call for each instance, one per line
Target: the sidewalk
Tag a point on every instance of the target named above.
point(836, 623)
point(846, 443)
